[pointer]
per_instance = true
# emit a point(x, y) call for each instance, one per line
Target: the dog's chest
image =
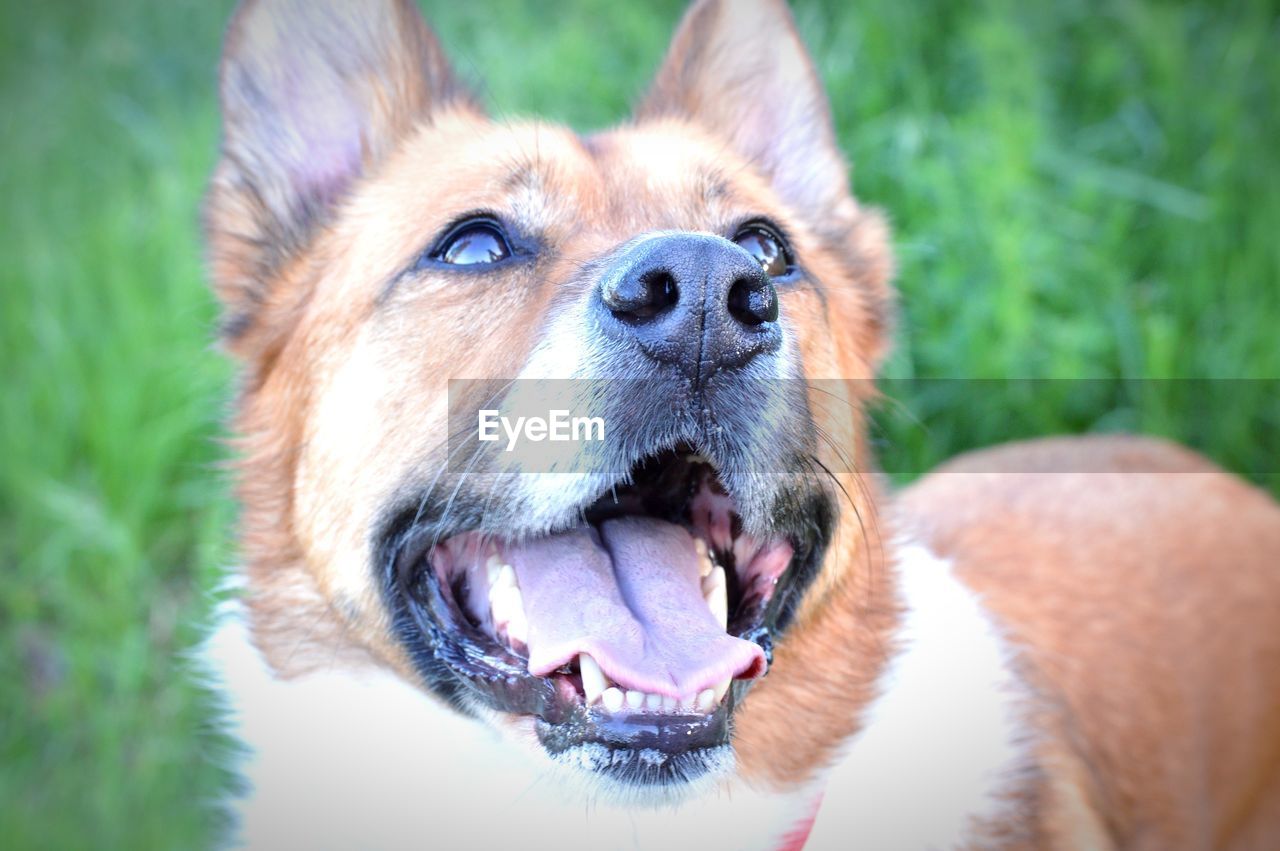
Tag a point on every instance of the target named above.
point(343, 760)
point(364, 760)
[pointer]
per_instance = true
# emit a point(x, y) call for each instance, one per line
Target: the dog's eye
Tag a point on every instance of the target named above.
point(472, 243)
point(767, 248)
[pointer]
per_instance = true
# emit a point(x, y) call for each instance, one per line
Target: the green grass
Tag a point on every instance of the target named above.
point(1078, 191)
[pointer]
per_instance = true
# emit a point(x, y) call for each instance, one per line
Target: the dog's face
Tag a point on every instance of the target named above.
point(685, 277)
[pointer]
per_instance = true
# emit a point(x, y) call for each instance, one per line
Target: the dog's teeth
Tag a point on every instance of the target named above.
point(716, 593)
point(721, 689)
point(706, 700)
point(669, 703)
point(500, 603)
point(696, 458)
point(653, 702)
point(612, 699)
point(506, 577)
point(593, 681)
point(507, 606)
point(635, 699)
point(744, 549)
point(492, 566)
point(704, 557)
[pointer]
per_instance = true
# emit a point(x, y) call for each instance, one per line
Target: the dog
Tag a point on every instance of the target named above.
point(717, 627)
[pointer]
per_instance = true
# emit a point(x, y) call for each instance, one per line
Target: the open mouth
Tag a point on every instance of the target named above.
point(629, 636)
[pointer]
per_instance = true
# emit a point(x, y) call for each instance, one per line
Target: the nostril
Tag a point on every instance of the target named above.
point(663, 291)
point(644, 296)
point(752, 304)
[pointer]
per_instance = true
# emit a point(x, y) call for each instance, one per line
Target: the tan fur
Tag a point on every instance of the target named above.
point(846, 629)
point(1140, 585)
point(1142, 597)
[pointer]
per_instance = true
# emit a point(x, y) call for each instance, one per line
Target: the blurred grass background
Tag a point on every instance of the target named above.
point(1079, 189)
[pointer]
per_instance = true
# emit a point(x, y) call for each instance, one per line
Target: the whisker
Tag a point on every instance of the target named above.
point(460, 438)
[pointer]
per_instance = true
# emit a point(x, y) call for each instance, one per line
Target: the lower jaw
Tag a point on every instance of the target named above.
point(661, 757)
point(643, 749)
point(651, 775)
point(498, 679)
point(661, 753)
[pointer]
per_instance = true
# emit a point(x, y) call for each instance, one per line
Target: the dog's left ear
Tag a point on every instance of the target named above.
point(315, 94)
point(739, 69)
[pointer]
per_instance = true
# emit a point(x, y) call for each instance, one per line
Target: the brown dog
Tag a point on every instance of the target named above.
point(439, 642)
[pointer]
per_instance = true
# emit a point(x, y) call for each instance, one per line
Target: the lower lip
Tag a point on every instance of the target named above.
point(668, 734)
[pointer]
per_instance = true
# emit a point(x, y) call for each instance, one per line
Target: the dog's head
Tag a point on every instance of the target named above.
point(699, 279)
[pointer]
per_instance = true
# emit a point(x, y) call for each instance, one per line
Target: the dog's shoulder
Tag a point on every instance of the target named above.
point(948, 736)
point(1139, 585)
point(1123, 516)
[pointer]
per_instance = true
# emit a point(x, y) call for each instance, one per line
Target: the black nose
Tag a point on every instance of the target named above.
point(696, 301)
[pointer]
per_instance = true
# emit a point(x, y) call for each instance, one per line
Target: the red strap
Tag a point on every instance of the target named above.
point(799, 835)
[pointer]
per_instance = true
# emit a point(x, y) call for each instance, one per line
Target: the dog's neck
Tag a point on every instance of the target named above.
point(911, 678)
point(946, 734)
point(828, 668)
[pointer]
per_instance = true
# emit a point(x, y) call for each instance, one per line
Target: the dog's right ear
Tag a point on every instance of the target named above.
point(314, 95)
point(740, 69)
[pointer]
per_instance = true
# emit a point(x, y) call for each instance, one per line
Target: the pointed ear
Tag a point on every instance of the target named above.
point(739, 69)
point(314, 94)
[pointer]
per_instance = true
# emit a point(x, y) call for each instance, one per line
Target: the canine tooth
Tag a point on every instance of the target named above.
point(507, 604)
point(653, 701)
point(499, 603)
point(697, 458)
point(506, 576)
point(593, 681)
point(612, 699)
point(706, 700)
point(635, 699)
point(704, 557)
point(716, 593)
point(492, 565)
point(721, 689)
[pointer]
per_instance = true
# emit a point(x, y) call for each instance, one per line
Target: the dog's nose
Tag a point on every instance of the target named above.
point(696, 301)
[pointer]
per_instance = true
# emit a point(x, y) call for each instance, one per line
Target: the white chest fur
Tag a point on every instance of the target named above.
point(362, 759)
point(945, 738)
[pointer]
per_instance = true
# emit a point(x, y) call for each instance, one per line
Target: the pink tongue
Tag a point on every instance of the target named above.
point(632, 598)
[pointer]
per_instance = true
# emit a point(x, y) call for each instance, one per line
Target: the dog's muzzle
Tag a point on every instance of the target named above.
point(629, 615)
